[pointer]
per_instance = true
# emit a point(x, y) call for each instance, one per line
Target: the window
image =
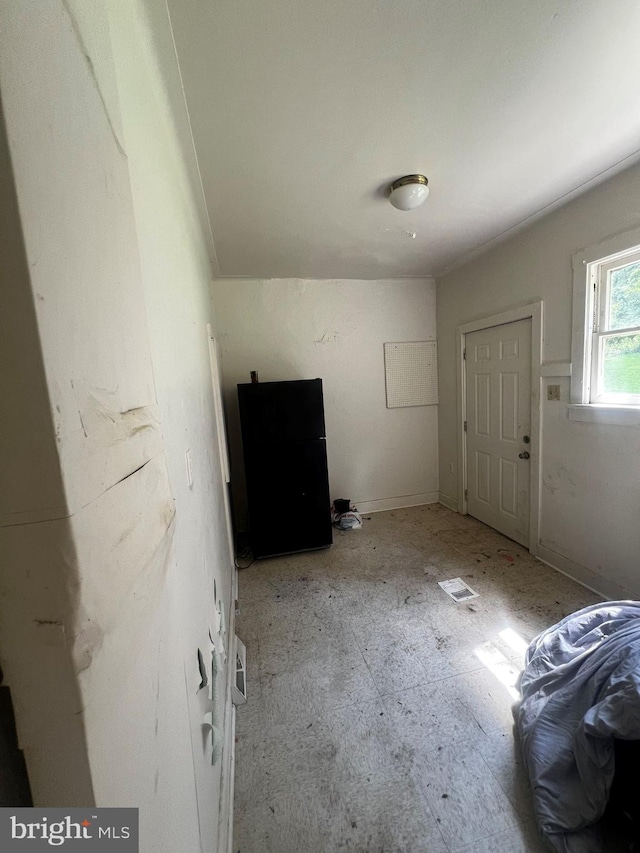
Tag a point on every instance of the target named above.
point(605, 364)
point(615, 343)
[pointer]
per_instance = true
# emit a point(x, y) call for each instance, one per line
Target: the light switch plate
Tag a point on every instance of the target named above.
point(553, 392)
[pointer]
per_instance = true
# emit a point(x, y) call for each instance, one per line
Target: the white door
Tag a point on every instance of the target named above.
point(498, 427)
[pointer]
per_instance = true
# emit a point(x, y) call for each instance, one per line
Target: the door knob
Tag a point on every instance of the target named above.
point(524, 454)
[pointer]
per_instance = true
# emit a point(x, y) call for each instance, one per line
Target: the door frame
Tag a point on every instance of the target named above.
point(223, 448)
point(534, 312)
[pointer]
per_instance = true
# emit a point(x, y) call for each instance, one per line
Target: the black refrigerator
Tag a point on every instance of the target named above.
point(285, 460)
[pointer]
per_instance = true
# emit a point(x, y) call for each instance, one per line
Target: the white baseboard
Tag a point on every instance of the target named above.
point(604, 587)
point(448, 501)
point(401, 502)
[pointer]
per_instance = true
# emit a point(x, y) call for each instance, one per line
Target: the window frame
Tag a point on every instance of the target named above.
point(599, 274)
point(588, 268)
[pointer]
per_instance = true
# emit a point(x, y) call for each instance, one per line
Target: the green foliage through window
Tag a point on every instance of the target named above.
point(621, 369)
point(624, 297)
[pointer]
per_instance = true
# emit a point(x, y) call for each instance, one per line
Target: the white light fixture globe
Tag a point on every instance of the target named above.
point(409, 192)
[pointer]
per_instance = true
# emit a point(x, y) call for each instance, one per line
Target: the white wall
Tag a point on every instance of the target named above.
point(109, 587)
point(590, 489)
point(335, 330)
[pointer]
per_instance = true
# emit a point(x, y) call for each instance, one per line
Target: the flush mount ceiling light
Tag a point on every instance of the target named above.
point(409, 192)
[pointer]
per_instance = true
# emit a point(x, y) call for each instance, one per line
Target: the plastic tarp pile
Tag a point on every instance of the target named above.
point(580, 691)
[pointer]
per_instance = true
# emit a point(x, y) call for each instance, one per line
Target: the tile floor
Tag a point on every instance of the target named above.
point(379, 714)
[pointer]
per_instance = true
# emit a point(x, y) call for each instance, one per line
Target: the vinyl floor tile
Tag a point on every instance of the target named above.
point(265, 768)
point(463, 795)
point(502, 755)
point(484, 694)
point(378, 716)
point(385, 814)
point(424, 719)
point(362, 815)
point(519, 839)
point(314, 687)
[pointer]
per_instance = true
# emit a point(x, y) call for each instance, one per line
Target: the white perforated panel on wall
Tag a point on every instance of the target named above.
point(411, 374)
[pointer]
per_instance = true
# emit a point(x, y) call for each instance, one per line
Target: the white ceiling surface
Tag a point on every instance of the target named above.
point(303, 111)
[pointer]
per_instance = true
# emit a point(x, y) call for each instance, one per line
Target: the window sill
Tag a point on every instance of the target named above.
point(601, 413)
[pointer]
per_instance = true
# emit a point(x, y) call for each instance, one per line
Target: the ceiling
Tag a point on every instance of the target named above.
point(304, 111)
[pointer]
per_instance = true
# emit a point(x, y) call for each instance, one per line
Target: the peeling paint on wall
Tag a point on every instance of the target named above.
point(103, 591)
